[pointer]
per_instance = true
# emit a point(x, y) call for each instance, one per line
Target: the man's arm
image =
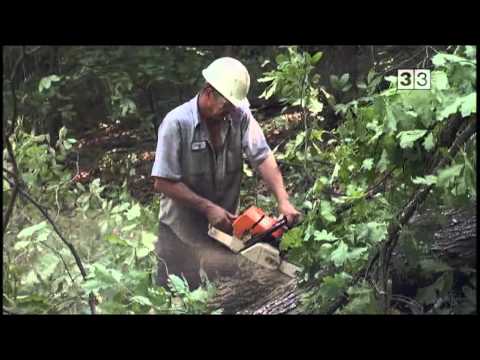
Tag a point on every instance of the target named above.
point(272, 176)
point(177, 190)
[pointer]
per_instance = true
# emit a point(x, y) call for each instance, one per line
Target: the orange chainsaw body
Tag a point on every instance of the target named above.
point(254, 221)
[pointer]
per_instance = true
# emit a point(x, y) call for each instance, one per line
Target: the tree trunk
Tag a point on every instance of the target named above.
point(456, 242)
point(256, 290)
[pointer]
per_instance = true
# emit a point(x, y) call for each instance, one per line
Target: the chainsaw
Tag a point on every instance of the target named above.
point(257, 236)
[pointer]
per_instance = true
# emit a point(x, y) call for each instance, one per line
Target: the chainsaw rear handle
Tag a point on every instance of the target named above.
point(260, 237)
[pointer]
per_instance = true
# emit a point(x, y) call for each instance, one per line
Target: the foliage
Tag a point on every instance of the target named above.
point(292, 80)
point(355, 179)
point(113, 234)
point(392, 134)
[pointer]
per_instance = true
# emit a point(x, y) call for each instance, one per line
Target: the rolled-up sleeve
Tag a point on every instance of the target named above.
point(167, 156)
point(254, 143)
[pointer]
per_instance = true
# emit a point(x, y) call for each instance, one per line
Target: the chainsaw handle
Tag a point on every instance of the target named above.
point(285, 221)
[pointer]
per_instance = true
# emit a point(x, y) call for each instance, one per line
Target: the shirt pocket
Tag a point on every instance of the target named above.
point(199, 163)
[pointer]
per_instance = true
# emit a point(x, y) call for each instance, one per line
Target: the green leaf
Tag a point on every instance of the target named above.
point(469, 104)
point(54, 78)
point(334, 81)
point(247, 171)
point(367, 164)
point(142, 300)
point(441, 59)
point(427, 180)
point(44, 84)
point(356, 254)
point(120, 208)
point(81, 187)
point(43, 235)
point(326, 211)
point(339, 255)
point(130, 227)
point(148, 240)
point(344, 79)
point(134, 212)
point(62, 133)
point(291, 239)
point(27, 232)
point(115, 239)
point(392, 79)
point(271, 90)
point(333, 285)
point(324, 235)
point(266, 79)
point(361, 85)
point(109, 276)
point(445, 175)
point(48, 263)
point(316, 57)
point(384, 162)
point(142, 252)
point(471, 51)
point(439, 80)
point(20, 245)
point(281, 59)
point(371, 232)
point(177, 284)
point(30, 279)
point(315, 106)
point(370, 75)
point(391, 120)
point(336, 169)
point(198, 295)
point(429, 143)
point(408, 138)
point(453, 104)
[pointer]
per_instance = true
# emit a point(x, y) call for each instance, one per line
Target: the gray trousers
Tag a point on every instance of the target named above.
point(208, 257)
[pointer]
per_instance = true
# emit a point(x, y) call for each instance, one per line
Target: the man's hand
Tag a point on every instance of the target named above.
point(286, 208)
point(220, 218)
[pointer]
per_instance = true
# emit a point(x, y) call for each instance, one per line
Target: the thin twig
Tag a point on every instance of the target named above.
point(69, 245)
point(61, 258)
point(304, 116)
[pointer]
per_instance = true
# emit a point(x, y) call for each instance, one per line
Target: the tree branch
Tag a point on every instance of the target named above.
point(68, 244)
point(403, 217)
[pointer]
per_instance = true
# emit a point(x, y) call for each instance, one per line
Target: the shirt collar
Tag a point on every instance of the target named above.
point(196, 115)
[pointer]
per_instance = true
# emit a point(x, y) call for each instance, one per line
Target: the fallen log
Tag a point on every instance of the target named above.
point(452, 236)
point(456, 242)
point(256, 290)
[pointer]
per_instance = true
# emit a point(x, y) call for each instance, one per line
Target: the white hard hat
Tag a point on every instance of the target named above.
point(230, 78)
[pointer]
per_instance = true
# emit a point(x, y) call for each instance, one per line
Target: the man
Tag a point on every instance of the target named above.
point(198, 169)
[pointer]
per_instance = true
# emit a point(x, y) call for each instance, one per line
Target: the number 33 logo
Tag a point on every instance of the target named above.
point(410, 79)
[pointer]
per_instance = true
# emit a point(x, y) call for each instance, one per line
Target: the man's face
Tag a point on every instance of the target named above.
point(219, 106)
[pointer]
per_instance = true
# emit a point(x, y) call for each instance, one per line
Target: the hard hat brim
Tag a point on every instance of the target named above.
point(235, 102)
